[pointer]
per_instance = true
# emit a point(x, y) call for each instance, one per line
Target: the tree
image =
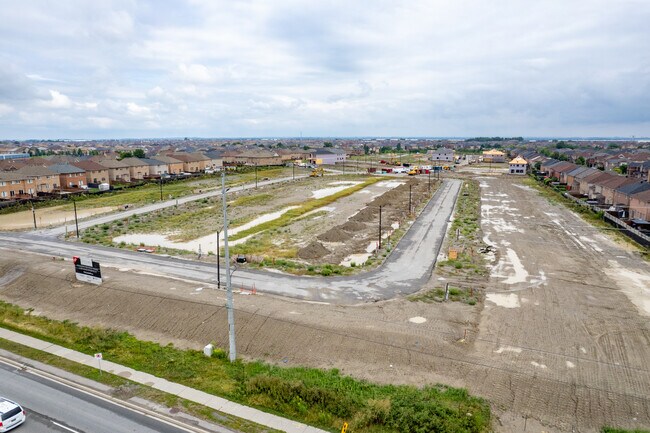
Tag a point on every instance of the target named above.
point(366, 149)
point(622, 169)
point(399, 147)
point(328, 144)
point(124, 154)
point(581, 160)
point(139, 153)
point(305, 147)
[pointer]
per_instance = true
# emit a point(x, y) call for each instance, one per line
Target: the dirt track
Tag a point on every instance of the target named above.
point(558, 345)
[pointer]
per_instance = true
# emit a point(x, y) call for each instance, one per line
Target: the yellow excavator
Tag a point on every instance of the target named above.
point(317, 172)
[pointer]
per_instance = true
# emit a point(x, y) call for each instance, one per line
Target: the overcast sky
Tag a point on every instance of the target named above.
point(208, 68)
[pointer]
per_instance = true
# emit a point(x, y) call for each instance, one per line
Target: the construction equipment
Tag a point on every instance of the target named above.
point(413, 172)
point(317, 172)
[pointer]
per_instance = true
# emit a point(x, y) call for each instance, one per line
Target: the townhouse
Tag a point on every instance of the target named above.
point(95, 172)
point(117, 170)
point(174, 166)
point(640, 205)
point(70, 177)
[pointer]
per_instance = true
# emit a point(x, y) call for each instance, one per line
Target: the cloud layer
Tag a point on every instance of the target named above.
point(337, 68)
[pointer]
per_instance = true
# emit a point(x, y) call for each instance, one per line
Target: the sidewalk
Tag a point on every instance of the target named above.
point(182, 391)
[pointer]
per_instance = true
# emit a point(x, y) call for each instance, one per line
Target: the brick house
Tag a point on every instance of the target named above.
point(70, 177)
point(174, 166)
point(95, 172)
point(117, 170)
point(640, 205)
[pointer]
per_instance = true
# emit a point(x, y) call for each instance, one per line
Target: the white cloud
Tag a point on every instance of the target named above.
point(136, 109)
point(419, 67)
point(5, 109)
point(58, 100)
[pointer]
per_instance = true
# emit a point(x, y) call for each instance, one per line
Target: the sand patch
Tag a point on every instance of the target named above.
point(510, 300)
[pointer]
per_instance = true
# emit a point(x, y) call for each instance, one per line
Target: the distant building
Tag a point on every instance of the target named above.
point(518, 166)
point(494, 155)
point(441, 155)
point(329, 156)
point(4, 156)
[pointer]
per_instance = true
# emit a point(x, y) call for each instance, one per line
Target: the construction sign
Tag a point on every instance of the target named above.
point(87, 270)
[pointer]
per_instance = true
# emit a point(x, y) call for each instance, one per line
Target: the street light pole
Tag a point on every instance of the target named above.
point(76, 221)
point(218, 264)
point(229, 300)
point(34, 214)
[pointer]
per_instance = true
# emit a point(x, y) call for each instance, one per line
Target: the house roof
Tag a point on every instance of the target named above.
point(66, 169)
point(152, 162)
point(89, 165)
point(519, 160)
point(167, 159)
point(11, 175)
point(328, 151)
point(617, 181)
point(134, 162)
point(113, 163)
point(35, 171)
point(634, 188)
point(189, 157)
point(595, 177)
point(493, 152)
point(564, 167)
point(588, 172)
point(577, 171)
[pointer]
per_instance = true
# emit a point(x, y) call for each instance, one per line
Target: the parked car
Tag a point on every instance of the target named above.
point(11, 414)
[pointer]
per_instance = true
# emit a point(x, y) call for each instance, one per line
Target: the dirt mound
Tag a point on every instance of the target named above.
point(315, 250)
point(364, 216)
point(334, 235)
point(353, 226)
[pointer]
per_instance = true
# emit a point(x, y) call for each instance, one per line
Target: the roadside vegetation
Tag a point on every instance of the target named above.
point(465, 236)
point(322, 398)
point(466, 295)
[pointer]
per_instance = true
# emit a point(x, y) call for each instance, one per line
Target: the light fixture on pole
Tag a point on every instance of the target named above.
point(229, 301)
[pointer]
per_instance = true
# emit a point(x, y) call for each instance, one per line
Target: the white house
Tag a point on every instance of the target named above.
point(518, 166)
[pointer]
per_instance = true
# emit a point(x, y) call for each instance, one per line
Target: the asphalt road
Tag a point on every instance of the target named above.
point(407, 268)
point(54, 407)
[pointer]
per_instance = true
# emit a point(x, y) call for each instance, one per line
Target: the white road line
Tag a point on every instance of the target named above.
point(64, 427)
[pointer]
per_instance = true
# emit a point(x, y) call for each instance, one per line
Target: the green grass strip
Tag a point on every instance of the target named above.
point(318, 397)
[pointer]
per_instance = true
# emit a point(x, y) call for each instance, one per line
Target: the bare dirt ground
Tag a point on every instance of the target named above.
point(327, 234)
point(47, 217)
point(560, 345)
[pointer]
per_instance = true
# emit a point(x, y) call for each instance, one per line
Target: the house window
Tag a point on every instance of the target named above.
point(30, 180)
point(4, 193)
point(3, 183)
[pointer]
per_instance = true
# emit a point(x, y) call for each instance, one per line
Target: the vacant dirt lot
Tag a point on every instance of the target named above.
point(561, 345)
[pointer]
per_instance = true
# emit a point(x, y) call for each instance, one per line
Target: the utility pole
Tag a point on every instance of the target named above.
point(218, 265)
point(76, 221)
point(161, 196)
point(430, 179)
point(34, 214)
point(379, 245)
point(256, 175)
point(229, 300)
point(293, 169)
point(410, 186)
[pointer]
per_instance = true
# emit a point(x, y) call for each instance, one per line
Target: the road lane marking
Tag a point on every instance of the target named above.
point(64, 427)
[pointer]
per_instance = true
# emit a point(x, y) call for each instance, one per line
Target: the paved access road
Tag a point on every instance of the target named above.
point(405, 271)
point(53, 407)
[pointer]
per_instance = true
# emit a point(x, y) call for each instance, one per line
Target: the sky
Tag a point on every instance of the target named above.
point(282, 68)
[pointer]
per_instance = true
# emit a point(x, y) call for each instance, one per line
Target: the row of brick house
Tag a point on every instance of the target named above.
point(628, 194)
point(25, 178)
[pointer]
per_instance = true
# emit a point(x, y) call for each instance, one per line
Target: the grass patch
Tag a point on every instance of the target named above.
point(252, 200)
point(318, 397)
point(465, 295)
point(465, 235)
point(135, 389)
